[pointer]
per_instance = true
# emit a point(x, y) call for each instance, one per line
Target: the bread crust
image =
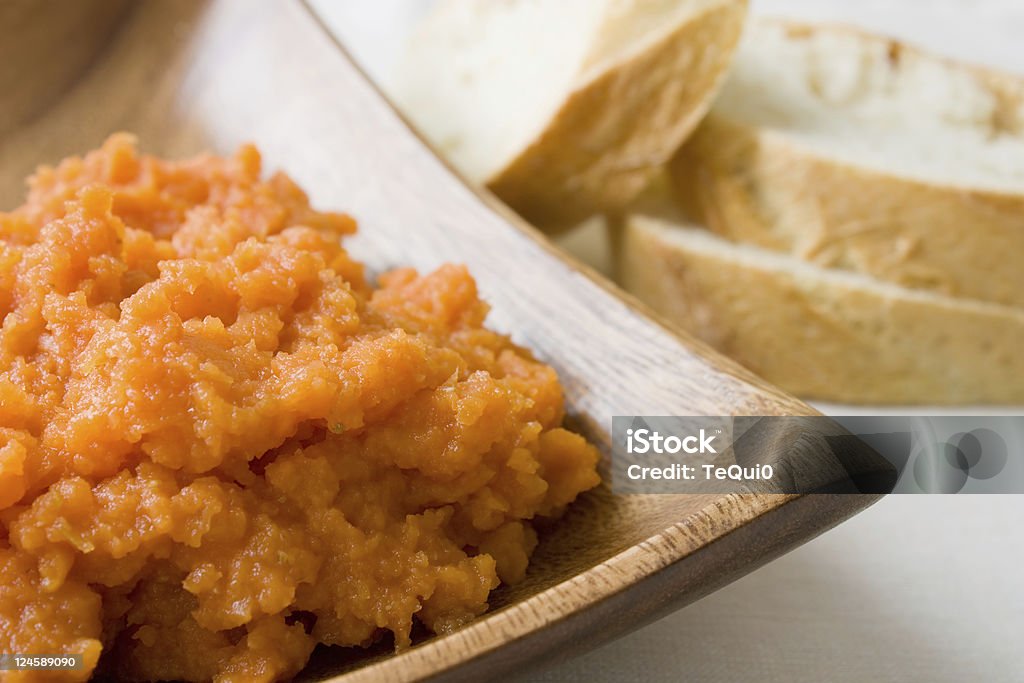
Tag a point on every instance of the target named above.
point(758, 185)
point(823, 334)
point(617, 128)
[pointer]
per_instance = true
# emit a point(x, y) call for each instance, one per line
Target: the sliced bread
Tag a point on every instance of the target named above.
point(856, 152)
point(824, 334)
point(565, 107)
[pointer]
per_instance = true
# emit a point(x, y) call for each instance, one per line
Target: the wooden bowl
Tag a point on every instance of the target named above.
point(187, 76)
point(45, 48)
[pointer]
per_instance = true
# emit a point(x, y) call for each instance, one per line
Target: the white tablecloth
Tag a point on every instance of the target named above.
point(918, 588)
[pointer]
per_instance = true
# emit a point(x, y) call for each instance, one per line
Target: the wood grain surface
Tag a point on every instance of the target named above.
point(186, 76)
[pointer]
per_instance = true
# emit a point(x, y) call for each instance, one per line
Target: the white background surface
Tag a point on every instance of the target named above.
point(917, 588)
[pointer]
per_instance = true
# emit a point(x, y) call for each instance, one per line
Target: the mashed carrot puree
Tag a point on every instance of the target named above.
point(219, 446)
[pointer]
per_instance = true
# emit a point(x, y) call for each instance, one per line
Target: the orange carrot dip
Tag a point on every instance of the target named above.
point(221, 446)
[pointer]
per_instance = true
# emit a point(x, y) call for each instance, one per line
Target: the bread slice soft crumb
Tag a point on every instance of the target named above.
point(565, 107)
point(857, 152)
point(874, 102)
